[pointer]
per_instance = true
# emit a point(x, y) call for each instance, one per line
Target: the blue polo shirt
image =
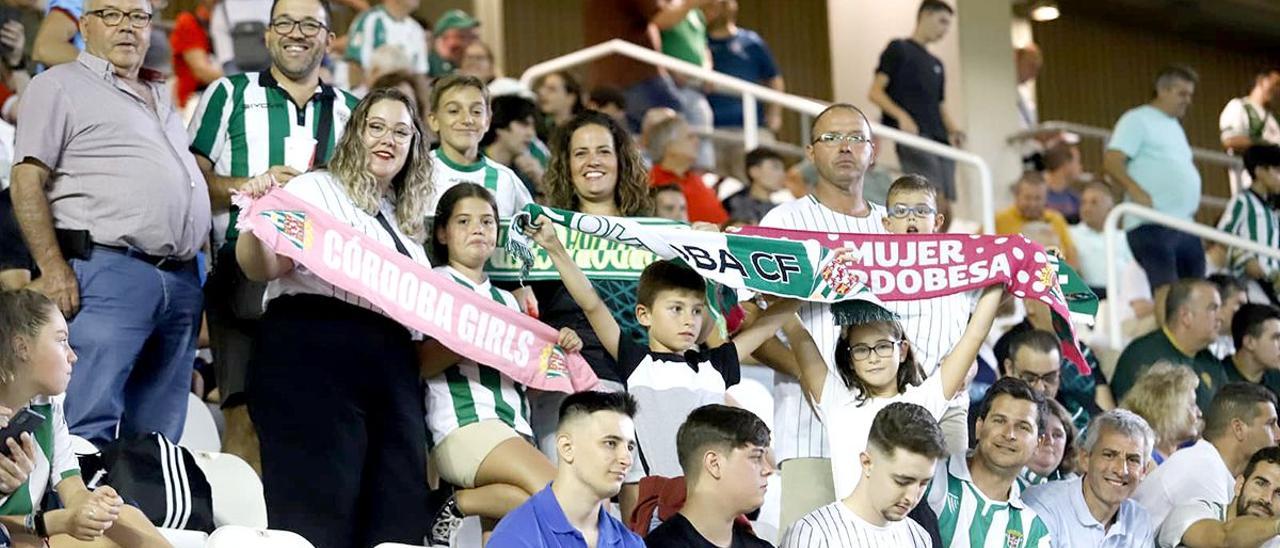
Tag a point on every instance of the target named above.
point(540, 523)
point(1061, 505)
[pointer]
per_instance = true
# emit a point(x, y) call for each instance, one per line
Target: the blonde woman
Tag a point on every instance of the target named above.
point(333, 383)
point(1165, 395)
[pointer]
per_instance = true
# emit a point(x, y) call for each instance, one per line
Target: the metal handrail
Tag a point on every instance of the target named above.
point(1111, 230)
point(1203, 154)
point(751, 92)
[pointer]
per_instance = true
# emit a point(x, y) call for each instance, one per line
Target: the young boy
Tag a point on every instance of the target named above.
point(669, 203)
point(766, 174)
point(460, 116)
point(933, 325)
point(670, 377)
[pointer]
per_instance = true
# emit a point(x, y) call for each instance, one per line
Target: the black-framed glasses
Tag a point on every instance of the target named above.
point(883, 348)
point(401, 133)
point(310, 27)
point(832, 138)
point(1049, 379)
point(113, 17)
point(902, 211)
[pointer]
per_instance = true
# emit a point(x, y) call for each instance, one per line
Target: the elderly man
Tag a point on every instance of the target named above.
point(454, 31)
point(1031, 194)
point(1096, 510)
point(1192, 323)
point(115, 209)
point(1096, 201)
point(1249, 521)
point(1241, 421)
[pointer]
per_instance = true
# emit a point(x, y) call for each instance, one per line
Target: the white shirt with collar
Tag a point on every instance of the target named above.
point(1195, 473)
point(1062, 507)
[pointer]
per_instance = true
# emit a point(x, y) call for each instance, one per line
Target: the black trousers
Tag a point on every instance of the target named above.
point(335, 394)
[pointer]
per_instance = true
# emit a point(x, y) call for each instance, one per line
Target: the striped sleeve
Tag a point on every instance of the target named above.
point(358, 39)
point(1240, 219)
point(207, 129)
point(1038, 536)
point(63, 464)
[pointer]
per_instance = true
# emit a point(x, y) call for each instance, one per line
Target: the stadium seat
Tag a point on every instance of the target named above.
point(185, 539)
point(235, 536)
point(200, 433)
point(81, 446)
point(236, 489)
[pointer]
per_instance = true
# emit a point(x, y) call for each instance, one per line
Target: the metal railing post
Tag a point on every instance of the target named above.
point(750, 125)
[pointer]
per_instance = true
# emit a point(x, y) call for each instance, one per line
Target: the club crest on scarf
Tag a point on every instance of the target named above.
point(551, 363)
point(292, 224)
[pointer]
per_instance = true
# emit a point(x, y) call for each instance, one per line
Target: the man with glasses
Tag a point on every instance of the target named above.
point(1031, 193)
point(272, 125)
point(841, 152)
point(101, 155)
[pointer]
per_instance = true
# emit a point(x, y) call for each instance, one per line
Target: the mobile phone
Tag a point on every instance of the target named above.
point(24, 421)
point(7, 14)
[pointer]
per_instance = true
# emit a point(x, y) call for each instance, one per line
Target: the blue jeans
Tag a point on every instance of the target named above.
point(135, 335)
point(1165, 254)
point(658, 91)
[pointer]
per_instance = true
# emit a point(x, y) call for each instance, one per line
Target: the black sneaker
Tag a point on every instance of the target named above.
point(446, 524)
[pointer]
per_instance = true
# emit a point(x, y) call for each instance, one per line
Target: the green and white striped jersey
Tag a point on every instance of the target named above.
point(504, 184)
point(375, 28)
point(54, 459)
point(1248, 216)
point(244, 121)
point(968, 519)
point(468, 392)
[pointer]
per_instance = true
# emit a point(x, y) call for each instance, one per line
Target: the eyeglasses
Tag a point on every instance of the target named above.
point(833, 138)
point(1049, 379)
point(284, 26)
point(884, 349)
point(902, 211)
point(401, 134)
point(113, 17)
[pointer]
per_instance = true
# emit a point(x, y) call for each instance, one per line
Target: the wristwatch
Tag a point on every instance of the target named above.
point(41, 530)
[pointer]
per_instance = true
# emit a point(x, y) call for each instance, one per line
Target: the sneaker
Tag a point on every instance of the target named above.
point(445, 525)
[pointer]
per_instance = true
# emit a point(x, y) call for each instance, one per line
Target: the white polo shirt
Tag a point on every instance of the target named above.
point(1195, 473)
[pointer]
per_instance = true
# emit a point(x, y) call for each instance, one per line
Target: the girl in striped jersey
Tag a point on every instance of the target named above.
point(875, 366)
point(478, 418)
point(35, 367)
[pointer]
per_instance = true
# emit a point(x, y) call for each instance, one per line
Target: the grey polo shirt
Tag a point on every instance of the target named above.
point(119, 169)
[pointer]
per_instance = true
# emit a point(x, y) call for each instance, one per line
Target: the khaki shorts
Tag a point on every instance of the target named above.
point(459, 455)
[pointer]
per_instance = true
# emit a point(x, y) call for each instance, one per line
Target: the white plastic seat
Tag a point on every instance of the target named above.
point(184, 539)
point(200, 433)
point(236, 489)
point(235, 536)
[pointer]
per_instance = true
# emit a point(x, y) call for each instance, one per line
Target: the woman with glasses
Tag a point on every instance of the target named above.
point(875, 366)
point(333, 383)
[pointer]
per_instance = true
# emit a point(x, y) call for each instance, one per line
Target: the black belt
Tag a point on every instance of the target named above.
point(169, 264)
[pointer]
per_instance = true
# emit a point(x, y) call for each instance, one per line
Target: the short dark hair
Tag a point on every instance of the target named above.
point(1170, 73)
point(1249, 319)
point(571, 86)
point(1058, 155)
point(907, 426)
point(444, 209)
point(505, 109)
point(1258, 156)
point(589, 401)
point(1226, 284)
point(760, 155)
point(328, 11)
point(608, 95)
point(1018, 389)
point(655, 191)
point(1179, 293)
point(1038, 340)
point(1266, 454)
point(1234, 401)
point(840, 106)
point(934, 5)
point(455, 80)
point(1265, 72)
point(667, 275)
point(911, 182)
point(720, 427)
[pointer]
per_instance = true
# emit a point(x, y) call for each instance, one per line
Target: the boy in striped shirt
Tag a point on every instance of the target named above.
point(903, 449)
point(978, 503)
point(1250, 216)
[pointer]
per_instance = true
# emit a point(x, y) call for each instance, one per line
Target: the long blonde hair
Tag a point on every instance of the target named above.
point(412, 186)
point(1160, 397)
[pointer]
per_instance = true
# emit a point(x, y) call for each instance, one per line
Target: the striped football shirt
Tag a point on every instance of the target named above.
point(1248, 216)
point(468, 392)
point(836, 526)
point(798, 433)
point(244, 120)
point(54, 462)
point(375, 28)
point(968, 519)
point(499, 180)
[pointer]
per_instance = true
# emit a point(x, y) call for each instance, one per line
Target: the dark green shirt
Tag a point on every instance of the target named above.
point(1270, 378)
point(1156, 346)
